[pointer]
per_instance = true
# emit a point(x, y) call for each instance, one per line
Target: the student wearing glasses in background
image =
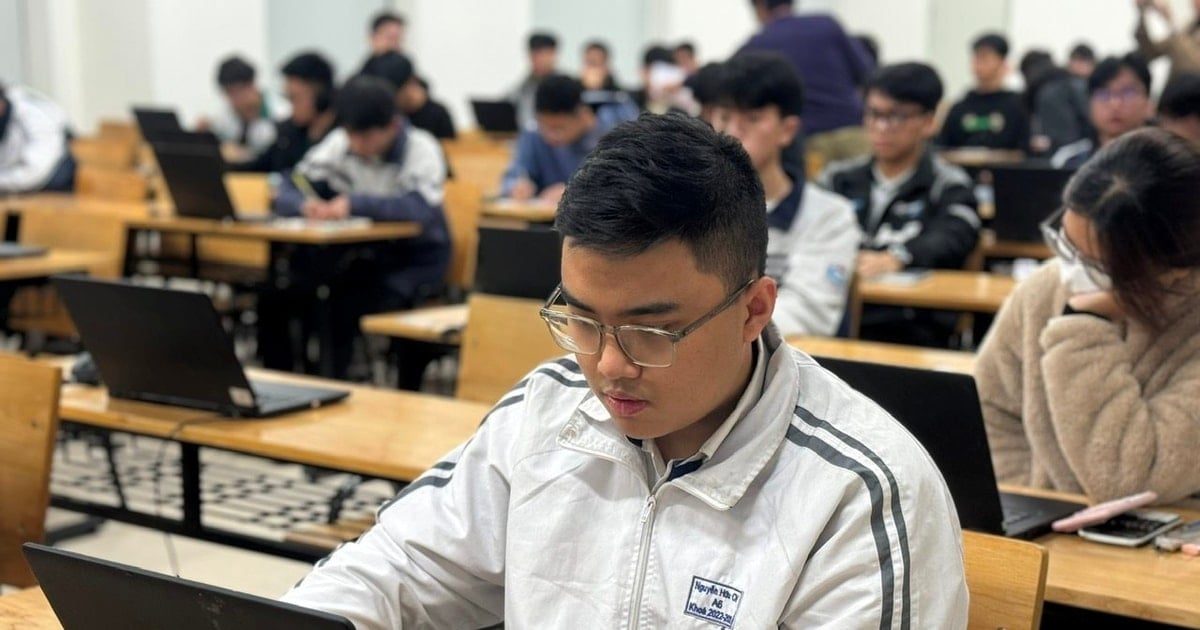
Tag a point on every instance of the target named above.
point(684, 466)
point(1090, 374)
point(916, 210)
point(1119, 97)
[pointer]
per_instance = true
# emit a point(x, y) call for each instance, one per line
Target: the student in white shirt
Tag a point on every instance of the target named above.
point(33, 143)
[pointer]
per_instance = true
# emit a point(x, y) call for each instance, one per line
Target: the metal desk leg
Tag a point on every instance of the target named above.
point(189, 462)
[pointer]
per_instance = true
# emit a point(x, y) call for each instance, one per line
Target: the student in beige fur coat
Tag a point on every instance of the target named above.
point(1090, 377)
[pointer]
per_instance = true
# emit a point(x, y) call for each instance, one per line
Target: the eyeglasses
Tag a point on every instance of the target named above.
point(1056, 239)
point(1123, 96)
point(891, 118)
point(644, 346)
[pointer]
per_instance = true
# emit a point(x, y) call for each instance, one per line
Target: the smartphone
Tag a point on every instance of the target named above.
point(1177, 538)
point(1131, 529)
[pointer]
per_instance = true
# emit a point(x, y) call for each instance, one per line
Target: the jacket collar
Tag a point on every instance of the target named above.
point(921, 180)
point(724, 478)
point(784, 214)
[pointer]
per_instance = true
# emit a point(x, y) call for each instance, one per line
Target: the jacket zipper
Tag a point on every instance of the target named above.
point(639, 583)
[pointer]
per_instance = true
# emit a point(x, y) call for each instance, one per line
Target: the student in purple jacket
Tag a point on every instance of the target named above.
point(832, 65)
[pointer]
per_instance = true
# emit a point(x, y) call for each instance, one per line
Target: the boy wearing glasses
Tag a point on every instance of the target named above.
point(684, 467)
point(1119, 98)
point(916, 210)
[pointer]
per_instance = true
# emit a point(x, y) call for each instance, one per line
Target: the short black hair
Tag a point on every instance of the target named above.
point(542, 40)
point(596, 44)
point(386, 17)
point(1082, 51)
point(657, 53)
point(393, 67)
point(365, 102)
point(670, 177)
point(911, 82)
point(311, 67)
point(1181, 97)
point(1110, 67)
point(687, 47)
point(706, 83)
point(1035, 62)
point(772, 4)
point(234, 70)
point(757, 79)
point(994, 42)
point(870, 44)
point(558, 94)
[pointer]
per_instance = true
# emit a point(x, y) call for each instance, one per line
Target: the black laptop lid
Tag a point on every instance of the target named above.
point(194, 170)
point(156, 122)
point(498, 116)
point(92, 594)
point(157, 345)
point(941, 410)
point(518, 263)
point(1025, 196)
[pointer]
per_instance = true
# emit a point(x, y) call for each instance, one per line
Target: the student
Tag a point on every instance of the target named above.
point(738, 484)
point(832, 65)
point(1182, 44)
point(597, 73)
point(33, 143)
point(916, 210)
point(813, 236)
point(249, 121)
point(662, 83)
point(1119, 98)
point(706, 89)
point(1179, 106)
point(387, 33)
point(988, 116)
point(1089, 374)
point(375, 166)
point(412, 99)
point(308, 86)
point(543, 59)
point(684, 56)
point(567, 129)
point(1057, 102)
point(1081, 61)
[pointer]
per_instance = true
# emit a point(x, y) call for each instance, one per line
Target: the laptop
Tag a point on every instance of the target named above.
point(169, 347)
point(518, 263)
point(92, 594)
point(194, 171)
point(9, 249)
point(496, 116)
point(1025, 196)
point(942, 410)
point(156, 122)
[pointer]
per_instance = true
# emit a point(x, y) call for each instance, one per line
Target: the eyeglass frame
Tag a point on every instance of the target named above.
point(1057, 241)
point(674, 336)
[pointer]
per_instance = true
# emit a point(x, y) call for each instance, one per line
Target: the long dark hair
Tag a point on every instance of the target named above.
point(1141, 194)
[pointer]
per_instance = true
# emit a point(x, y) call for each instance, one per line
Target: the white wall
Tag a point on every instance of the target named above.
point(469, 48)
point(337, 30)
point(619, 23)
point(717, 27)
point(12, 45)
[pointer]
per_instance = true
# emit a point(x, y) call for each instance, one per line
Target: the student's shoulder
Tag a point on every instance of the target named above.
point(857, 167)
point(550, 389)
point(826, 206)
point(947, 175)
point(422, 141)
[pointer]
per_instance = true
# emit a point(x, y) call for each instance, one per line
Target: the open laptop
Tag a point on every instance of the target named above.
point(9, 249)
point(164, 346)
point(495, 116)
point(942, 410)
point(92, 594)
point(518, 263)
point(194, 171)
point(155, 122)
point(1025, 196)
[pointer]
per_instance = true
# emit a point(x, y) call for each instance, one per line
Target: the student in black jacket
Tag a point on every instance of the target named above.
point(412, 95)
point(989, 115)
point(308, 85)
point(916, 210)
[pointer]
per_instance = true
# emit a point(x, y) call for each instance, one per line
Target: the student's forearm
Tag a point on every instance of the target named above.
point(406, 207)
point(288, 200)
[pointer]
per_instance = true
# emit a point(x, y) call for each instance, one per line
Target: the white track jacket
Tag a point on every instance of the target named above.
point(818, 510)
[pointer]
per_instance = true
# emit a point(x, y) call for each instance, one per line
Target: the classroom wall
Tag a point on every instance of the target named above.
point(337, 30)
point(619, 23)
point(12, 56)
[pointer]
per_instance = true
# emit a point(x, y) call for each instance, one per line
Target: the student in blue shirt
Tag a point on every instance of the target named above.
point(567, 129)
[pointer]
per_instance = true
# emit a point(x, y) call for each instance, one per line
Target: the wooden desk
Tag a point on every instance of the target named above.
point(978, 157)
point(943, 290)
point(18, 203)
point(993, 248)
point(1141, 583)
point(436, 324)
point(27, 610)
point(517, 214)
point(886, 353)
point(55, 261)
point(281, 232)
